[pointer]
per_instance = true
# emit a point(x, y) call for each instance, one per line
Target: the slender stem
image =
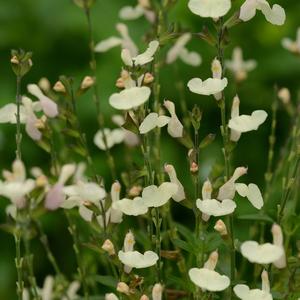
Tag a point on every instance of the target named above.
point(18, 103)
point(19, 259)
point(45, 242)
point(225, 135)
point(31, 277)
point(96, 97)
point(19, 265)
point(76, 246)
point(88, 156)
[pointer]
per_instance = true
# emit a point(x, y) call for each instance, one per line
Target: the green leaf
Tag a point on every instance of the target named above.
point(130, 124)
point(256, 217)
point(183, 245)
point(106, 280)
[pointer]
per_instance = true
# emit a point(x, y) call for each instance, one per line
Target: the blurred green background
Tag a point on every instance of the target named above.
point(56, 32)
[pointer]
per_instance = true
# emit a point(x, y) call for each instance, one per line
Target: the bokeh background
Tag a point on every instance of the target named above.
point(56, 32)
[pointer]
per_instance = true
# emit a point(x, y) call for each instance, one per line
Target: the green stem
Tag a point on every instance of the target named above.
point(225, 135)
point(96, 97)
point(31, 277)
point(76, 246)
point(18, 103)
point(19, 265)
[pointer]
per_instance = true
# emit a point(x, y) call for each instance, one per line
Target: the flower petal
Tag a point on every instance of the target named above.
point(210, 8)
point(208, 87)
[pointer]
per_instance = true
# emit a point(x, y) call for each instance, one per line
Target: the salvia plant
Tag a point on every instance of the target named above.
point(126, 241)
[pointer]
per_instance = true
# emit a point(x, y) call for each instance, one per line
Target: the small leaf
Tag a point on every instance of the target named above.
point(130, 124)
point(106, 280)
point(256, 217)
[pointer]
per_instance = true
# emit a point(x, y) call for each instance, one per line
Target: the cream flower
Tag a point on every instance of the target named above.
point(278, 241)
point(208, 279)
point(238, 66)
point(252, 192)
point(246, 123)
point(141, 59)
point(55, 196)
point(175, 128)
point(180, 51)
point(152, 121)
point(130, 98)
point(152, 196)
point(130, 207)
point(134, 12)
point(180, 195)
point(227, 190)
point(243, 292)
point(113, 137)
point(210, 8)
point(213, 207)
point(124, 41)
point(208, 87)
point(275, 15)
point(261, 254)
point(135, 259)
point(82, 195)
point(292, 46)
point(16, 186)
point(48, 106)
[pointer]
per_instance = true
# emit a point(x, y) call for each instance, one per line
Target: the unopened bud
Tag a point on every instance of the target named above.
point(14, 60)
point(265, 281)
point(87, 82)
point(40, 123)
point(216, 69)
point(59, 87)
point(148, 78)
point(212, 261)
point(129, 242)
point(144, 297)
point(120, 83)
point(123, 288)
point(221, 228)
point(108, 247)
point(135, 191)
point(284, 95)
point(111, 296)
point(44, 84)
point(41, 181)
point(157, 291)
point(144, 3)
point(194, 167)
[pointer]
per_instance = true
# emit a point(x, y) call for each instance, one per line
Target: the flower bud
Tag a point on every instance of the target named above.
point(284, 95)
point(148, 78)
point(111, 296)
point(135, 191)
point(14, 60)
point(216, 69)
point(41, 181)
point(108, 247)
point(144, 297)
point(87, 82)
point(129, 242)
point(144, 4)
point(194, 167)
point(221, 228)
point(21, 62)
point(44, 84)
point(59, 87)
point(40, 123)
point(212, 261)
point(157, 291)
point(265, 281)
point(123, 288)
point(120, 83)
